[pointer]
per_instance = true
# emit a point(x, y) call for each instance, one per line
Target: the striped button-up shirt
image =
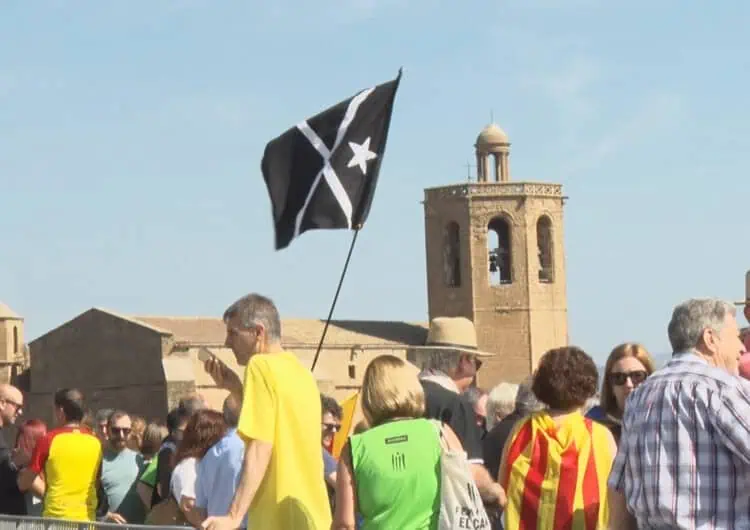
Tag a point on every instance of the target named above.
point(684, 456)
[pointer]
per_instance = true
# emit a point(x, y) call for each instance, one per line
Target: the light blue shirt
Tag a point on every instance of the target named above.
point(219, 474)
point(120, 472)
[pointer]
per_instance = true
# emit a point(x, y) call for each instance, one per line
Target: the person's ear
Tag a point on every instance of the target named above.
point(709, 340)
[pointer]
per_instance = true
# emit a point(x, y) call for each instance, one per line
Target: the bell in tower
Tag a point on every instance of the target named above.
point(495, 255)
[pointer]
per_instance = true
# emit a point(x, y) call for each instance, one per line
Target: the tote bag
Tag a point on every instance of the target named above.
point(460, 504)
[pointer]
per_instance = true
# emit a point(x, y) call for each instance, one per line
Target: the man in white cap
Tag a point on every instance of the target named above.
point(449, 368)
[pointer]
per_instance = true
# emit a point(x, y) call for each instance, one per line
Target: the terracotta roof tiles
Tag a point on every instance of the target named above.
point(297, 332)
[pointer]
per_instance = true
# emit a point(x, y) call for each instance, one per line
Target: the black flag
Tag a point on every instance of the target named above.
point(322, 173)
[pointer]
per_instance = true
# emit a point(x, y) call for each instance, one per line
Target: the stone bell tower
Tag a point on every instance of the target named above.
point(495, 254)
point(11, 343)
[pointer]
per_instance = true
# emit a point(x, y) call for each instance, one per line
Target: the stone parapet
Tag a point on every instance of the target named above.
point(495, 189)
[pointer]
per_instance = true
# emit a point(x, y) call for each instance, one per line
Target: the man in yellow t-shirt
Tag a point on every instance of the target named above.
point(70, 458)
point(282, 475)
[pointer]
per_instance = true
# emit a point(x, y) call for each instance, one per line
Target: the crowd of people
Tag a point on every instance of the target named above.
point(665, 448)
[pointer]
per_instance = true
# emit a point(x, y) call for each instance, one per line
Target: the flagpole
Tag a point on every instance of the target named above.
point(336, 297)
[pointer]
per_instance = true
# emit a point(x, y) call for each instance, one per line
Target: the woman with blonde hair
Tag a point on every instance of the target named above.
point(390, 474)
point(627, 366)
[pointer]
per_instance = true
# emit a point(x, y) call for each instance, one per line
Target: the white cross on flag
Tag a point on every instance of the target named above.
point(322, 173)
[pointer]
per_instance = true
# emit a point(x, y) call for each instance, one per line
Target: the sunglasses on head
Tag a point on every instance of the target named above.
point(636, 377)
point(332, 427)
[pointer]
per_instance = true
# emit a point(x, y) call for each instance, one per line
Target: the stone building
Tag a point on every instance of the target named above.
point(146, 364)
point(495, 254)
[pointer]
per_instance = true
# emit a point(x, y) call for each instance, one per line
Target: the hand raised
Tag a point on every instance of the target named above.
point(223, 376)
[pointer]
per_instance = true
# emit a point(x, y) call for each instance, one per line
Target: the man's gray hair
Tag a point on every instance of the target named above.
point(441, 361)
point(692, 317)
point(102, 415)
point(526, 400)
point(254, 309)
point(500, 402)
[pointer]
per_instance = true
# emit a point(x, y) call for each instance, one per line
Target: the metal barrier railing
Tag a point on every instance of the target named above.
point(10, 522)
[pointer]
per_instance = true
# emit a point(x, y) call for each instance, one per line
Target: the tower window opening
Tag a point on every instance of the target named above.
point(15, 339)
point(452, 255)
point(545, 249)
point(499, 252)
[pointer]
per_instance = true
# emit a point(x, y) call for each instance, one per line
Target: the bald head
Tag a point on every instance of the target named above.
point(11, 404)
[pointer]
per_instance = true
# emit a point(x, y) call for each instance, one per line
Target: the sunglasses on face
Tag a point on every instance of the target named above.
point(332, 427)
point(636, 377)
point(120, 431)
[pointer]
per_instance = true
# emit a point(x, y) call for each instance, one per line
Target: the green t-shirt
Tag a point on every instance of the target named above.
point(148, 476)
point(397, 473)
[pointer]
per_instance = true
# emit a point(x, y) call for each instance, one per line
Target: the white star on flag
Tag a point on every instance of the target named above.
point(361, 154)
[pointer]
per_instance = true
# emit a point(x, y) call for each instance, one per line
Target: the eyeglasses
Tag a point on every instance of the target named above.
point(17, 406)
point(122, 431)
point(636, 377)
point(332, 427)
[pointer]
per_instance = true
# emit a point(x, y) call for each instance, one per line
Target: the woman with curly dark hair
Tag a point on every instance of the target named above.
point(556, 462)
point(205, 428)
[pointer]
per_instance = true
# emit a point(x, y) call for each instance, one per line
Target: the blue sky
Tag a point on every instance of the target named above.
point(131, 135)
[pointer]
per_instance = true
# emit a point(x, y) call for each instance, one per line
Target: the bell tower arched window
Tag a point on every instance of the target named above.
point(545, 249)
point(499, 251)
point(452, 255)
point(15, 339)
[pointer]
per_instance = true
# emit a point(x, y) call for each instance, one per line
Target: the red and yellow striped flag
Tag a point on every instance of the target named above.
point(348, 408)
point(556, 476)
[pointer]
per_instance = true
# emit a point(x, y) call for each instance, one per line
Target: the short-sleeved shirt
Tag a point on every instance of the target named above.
point(70, 458)
point(148, 477)
point(281, 406)
point(120, 471)
point(184, 477)
point(219, 474)
point(456, 411)
point(396, 467)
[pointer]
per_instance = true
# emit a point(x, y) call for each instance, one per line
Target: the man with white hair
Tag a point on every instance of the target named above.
point(500, 402)
point(684, 455)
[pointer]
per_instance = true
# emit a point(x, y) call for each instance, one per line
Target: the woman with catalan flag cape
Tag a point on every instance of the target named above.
point(556, 462)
